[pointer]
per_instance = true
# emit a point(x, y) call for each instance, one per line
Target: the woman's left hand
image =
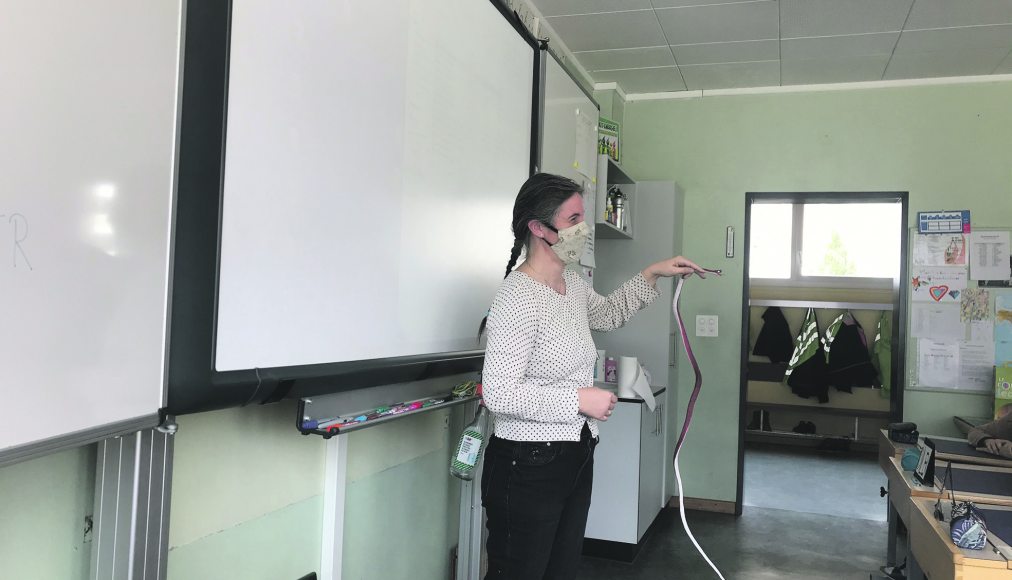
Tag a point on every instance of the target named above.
point(677, 266)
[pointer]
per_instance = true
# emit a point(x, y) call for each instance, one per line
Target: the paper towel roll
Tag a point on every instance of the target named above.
point(632, 381)
point(628, 372)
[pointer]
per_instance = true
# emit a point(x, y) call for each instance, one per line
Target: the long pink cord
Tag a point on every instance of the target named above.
point(688, 416)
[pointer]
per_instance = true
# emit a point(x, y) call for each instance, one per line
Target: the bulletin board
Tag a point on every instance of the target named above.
point(958, 331)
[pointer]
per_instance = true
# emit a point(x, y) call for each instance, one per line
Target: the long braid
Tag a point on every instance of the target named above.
point(518, 245)
point(539, 200)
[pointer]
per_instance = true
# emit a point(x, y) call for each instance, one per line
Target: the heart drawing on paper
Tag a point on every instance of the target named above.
point(938, 292)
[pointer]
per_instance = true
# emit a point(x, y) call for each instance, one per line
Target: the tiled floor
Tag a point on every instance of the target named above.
point(804, 480)
point(845, 539)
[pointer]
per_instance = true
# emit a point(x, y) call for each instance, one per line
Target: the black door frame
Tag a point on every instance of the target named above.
point(898, 299)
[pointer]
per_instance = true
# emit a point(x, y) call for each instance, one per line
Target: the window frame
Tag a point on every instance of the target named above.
point(797, 280)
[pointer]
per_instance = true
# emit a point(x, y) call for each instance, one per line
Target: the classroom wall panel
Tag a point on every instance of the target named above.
point(947, 145)
point(236, 465)
point(283, 544)
point(43, 504)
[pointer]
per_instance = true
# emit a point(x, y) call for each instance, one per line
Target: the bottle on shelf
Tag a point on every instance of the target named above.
point(620, 219)
point(472, 443)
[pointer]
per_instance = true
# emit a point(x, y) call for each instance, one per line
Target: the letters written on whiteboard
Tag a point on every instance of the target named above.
point(14, 241)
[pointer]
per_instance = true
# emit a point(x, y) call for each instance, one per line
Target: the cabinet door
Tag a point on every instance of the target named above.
point(652, 464)
point(614, 505)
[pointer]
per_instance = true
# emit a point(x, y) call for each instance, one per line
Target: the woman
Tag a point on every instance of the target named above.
point(994, 437)
point(538, 382)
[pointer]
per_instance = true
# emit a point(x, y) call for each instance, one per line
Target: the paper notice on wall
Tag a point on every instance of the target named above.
point(937, 363)
point(982, 330)
point(586, 144)
point(1003, 354)
point(974, 304)
point(939, 284)
point(989, 256)
point(936, 321)
point(976, 366)
point(1003, 318)
point(940, 250)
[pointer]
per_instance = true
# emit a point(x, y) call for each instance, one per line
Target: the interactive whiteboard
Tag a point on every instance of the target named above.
point(373, 152)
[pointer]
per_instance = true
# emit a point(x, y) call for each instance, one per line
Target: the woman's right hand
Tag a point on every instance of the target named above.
point(596, 403)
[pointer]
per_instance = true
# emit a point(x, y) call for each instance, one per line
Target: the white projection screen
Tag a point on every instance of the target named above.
point(373, 152)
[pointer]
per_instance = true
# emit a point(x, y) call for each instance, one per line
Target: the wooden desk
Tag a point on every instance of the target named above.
point(888, 448)
point(940, 559)
point(992, 460)
point(904, 486)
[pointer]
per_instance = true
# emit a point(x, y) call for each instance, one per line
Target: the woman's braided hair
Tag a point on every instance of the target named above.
point(539, 200)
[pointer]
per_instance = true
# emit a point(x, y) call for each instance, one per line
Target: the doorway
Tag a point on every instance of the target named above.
point(821, 356)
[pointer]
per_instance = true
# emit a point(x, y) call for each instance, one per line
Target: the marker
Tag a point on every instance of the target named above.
point(317, 423)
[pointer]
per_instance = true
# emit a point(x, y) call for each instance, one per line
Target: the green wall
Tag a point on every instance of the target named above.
point(247, 501)
point(247, 496)
point(43, 503)
point(950, 146)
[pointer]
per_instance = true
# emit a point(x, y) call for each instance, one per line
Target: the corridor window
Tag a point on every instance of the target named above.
point(825, 244)
point(770, 241)
point(852, 240)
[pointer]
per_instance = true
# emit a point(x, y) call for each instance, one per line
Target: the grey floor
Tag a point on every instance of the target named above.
point(804, 480)
point(768, 542)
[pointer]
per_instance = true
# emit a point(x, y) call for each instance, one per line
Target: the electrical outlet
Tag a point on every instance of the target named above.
point(706, 325)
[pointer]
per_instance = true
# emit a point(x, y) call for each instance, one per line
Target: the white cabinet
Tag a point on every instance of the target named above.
point(629, 466)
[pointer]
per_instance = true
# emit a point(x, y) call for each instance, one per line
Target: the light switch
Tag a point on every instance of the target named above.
point(706, 325)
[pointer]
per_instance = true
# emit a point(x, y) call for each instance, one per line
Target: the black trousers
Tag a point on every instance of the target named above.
point(536, 497)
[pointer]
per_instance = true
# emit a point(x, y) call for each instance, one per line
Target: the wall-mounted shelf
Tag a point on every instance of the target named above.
point(616, 174)
point(605, 229)
point(611, 174)
point(823, 305)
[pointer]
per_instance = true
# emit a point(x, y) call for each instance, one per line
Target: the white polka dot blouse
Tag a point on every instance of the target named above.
point(540, 351)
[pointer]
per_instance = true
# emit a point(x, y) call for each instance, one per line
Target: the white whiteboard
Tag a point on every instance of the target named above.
point(87, 147)
point(374, 150)
point(568, 110)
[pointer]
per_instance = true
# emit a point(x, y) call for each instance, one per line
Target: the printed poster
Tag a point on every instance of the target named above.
point(1002, 388)
point(936, 321)
point(989, 256)
point(975, 366)
point(937, 364)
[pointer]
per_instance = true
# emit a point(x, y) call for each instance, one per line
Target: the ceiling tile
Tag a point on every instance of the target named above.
point(562, 7)
point(800, 18)
point(718, 52)
point(838, 46)
point(1006, 66)
point(947, 13)
point(608, 31)
point(720, 22)
point(732, 75)
point(644, 80)
point(833, 70)
point(944, 64)
point(626, 58)
point(955, 39)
